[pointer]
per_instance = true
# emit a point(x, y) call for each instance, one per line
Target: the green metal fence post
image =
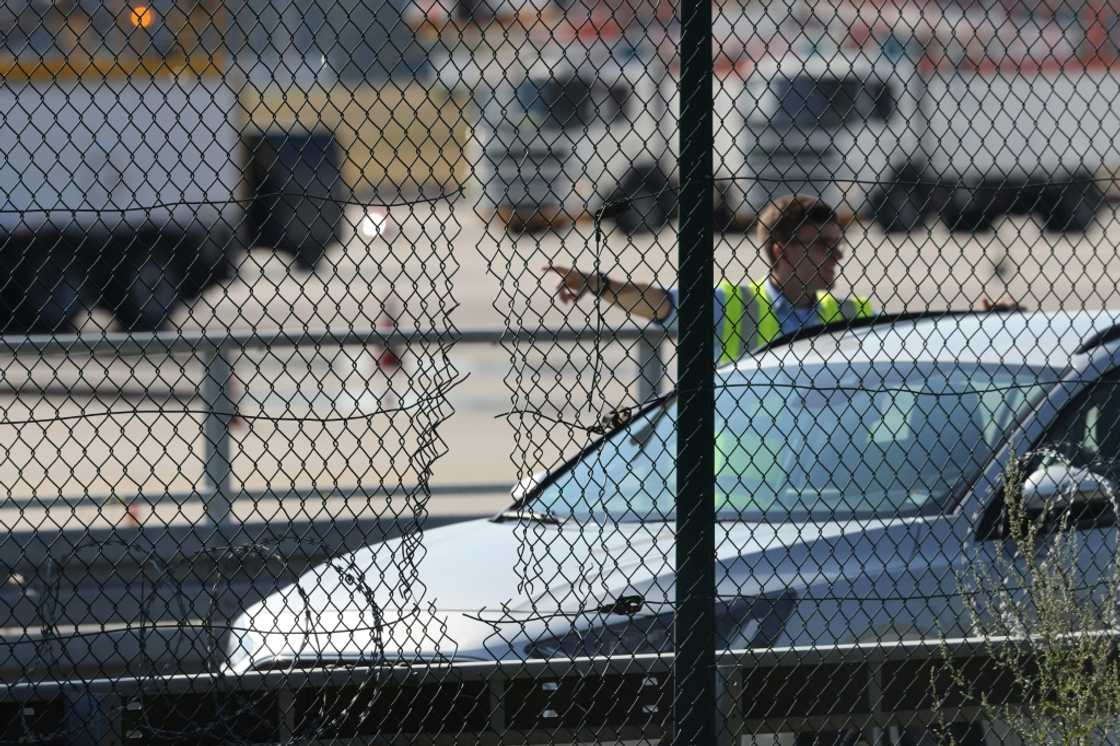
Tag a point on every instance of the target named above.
point(694, 701)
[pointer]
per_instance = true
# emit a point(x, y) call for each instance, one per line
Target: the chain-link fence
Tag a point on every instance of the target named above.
point(559, 372)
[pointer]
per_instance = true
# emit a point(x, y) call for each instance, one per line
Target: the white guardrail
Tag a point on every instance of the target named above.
point(216, 350)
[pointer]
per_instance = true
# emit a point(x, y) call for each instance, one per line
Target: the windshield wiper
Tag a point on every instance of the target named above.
point(530, 516)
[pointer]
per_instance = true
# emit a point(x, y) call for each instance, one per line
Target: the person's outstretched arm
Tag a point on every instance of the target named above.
point(646, 301)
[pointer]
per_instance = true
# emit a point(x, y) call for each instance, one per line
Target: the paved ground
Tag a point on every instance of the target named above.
point(450, 268)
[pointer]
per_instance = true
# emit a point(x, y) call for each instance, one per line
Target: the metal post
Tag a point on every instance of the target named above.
point(694, 669)
point(215, 431)
point(651, 369)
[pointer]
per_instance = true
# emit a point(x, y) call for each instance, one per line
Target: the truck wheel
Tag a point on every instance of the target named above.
point(968, 213)
point(43, 304)
point(35, 297)
point(147, 297)
point(725, 218)
point(1070, 209)
point(900, 208)
point(646, 201)
point(203, 258)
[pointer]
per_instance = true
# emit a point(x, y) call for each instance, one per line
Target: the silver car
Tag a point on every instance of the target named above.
point(858, 480)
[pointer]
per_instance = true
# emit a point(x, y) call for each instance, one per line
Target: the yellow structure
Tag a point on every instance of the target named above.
point(405, 136)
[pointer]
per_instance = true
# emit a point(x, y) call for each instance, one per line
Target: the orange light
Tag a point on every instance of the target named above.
point(142, 16)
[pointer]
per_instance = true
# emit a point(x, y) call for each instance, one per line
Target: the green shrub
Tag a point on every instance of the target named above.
point(1048, 633)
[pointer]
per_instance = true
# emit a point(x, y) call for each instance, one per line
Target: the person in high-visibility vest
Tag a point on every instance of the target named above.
point(802, 238)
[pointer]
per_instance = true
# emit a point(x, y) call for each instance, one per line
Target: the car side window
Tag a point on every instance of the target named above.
point(1087, 431)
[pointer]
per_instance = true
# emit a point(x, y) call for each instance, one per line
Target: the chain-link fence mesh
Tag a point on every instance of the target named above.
point(294, 294)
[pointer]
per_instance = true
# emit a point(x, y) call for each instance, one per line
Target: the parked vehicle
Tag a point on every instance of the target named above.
point(582, 129)
point(589, 131)
point(899, 134)
point(128, 180)
point(900, 121)
point(858, 482)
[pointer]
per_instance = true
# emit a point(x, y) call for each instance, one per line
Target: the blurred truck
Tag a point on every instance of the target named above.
point(129, 181)
point(899, 135)
point(589, 130)
point(897, 128)
point(582, 129)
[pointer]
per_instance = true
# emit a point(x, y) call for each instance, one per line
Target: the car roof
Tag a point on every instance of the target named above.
point(1038, 338)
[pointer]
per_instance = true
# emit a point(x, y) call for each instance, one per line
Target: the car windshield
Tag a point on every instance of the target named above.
point(810, 443)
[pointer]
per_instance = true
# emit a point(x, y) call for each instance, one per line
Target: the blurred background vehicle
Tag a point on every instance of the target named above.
point(902, 112)
point(584, 130)
point(206, 130)
point(149, 145)
point(899, 131)
point(120, 177)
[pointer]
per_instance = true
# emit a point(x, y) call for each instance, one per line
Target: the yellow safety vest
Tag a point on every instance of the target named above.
point(735, 332)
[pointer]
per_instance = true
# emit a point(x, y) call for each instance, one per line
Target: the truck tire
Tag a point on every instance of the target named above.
point(203, 258)
point(144, 292)
point(295, 184)
point(646, 201)
point(969, 211)
point(34, 297)
point(1071, 208)
point(900, 207)
point(725, 201)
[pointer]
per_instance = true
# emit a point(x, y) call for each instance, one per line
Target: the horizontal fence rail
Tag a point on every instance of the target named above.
point(776, 690)
point(214, 388)
point(187, 341)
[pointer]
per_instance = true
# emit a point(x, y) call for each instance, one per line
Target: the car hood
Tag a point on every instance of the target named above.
point(481, 590)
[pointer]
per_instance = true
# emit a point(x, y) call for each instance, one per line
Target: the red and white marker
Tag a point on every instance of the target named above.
point(388, 357)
